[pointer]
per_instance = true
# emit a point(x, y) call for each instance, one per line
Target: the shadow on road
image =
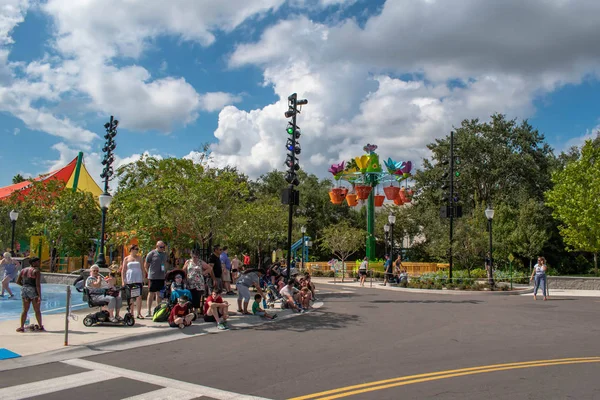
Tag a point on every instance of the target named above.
point(427, 301)
point(316, 320)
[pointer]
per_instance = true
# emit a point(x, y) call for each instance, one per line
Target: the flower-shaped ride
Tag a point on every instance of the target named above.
point(365, 172)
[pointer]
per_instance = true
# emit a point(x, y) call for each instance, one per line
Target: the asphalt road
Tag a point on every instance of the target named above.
point(366, 335)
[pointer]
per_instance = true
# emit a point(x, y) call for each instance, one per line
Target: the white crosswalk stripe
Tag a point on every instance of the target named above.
point(54, 385)
point(97, 372)
point(199, 390)
point(164, 394)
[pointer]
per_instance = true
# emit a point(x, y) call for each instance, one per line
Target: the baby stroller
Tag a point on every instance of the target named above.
point(170, 296)
point(102, 317)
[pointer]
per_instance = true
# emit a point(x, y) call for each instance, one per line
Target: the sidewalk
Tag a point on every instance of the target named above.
point(526, 290)
point(29, 343)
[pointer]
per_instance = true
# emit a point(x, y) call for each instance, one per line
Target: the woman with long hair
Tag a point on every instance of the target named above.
point(539, 277)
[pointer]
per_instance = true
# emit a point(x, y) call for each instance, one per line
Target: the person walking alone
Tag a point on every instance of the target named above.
point(362, 271)
point(10, 273)
point(539, 274)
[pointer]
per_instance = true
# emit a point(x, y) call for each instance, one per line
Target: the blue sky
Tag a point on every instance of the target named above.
point(185, 74)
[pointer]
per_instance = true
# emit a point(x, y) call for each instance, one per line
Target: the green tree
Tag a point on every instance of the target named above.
point(72, 223)
point(342, 240)
point(574, 200)
point(18, 178)
point(257, 224)
point(175, 200)
point(528, 229)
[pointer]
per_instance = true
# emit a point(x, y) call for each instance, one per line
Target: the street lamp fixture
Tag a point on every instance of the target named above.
point(14, 215)
point(105, 200)
point(391, 221)
point(386, 230)
point(489, 214)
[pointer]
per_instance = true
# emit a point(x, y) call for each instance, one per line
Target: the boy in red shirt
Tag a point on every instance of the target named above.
point(215, 309)
point(181, 315)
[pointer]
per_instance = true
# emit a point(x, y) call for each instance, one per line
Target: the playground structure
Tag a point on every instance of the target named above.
point(365, 174)
point(298, 246)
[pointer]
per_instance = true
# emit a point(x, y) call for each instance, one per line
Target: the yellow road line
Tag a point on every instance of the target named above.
point(405, 380)
point(372, 389)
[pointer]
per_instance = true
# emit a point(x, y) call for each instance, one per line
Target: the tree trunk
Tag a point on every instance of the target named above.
point(343, 270)
point(596, 263)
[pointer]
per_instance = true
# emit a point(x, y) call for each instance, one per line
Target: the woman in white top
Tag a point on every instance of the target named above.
point(539, 274)
point(362, 271)
point(131, 272)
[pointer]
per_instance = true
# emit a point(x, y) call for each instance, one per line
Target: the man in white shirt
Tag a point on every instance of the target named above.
point(290, 295)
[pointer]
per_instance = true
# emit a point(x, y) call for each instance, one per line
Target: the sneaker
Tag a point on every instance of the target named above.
point(230, 293)
point(222, 327)
point(114, 320)
point(149, 314)
point(12, 296)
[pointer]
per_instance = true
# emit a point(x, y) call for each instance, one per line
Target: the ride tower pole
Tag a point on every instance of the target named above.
point(452, 208)
point(370, 245)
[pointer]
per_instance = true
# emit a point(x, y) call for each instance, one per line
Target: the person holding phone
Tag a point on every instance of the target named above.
point(539, 274)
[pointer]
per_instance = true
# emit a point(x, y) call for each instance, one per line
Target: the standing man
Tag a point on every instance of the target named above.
point(155, 270)
point(389, 271)
point(215, 261)
point(226, 263)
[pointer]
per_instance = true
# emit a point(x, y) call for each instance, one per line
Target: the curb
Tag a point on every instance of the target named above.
point(131, 342)
point(513, 292)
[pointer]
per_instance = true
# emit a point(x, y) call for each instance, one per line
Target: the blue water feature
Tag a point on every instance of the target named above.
point(54, 300)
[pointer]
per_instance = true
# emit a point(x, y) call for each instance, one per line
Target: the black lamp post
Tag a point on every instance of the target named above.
point(303, 230)
point(489, 213)
point(105, 198)
point(386, 231)
point(392, 221)
point(14, 215)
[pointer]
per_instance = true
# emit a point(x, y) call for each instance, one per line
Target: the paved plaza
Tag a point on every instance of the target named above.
point(362, 343)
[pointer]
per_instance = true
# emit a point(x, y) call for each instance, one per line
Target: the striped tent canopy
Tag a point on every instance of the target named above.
point(74, 175)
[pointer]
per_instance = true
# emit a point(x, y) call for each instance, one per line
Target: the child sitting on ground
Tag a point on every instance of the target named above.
point(181, 315)
point(256, 310)
point(305, 296)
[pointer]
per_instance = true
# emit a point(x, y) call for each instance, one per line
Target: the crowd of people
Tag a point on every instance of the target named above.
point(196, 289)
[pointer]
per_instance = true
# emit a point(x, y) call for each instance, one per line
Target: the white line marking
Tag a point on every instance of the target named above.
point(39, 388)
point(164, 394)
point(161, 381)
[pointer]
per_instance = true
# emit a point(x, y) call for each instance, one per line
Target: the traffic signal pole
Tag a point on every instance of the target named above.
point(452, 208)
point(294, 105)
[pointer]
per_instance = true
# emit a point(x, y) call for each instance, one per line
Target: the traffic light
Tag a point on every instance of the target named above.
point(109, 146)
point(450, 182)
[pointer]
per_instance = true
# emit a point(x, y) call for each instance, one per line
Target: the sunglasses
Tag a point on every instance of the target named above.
point(161, 247)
